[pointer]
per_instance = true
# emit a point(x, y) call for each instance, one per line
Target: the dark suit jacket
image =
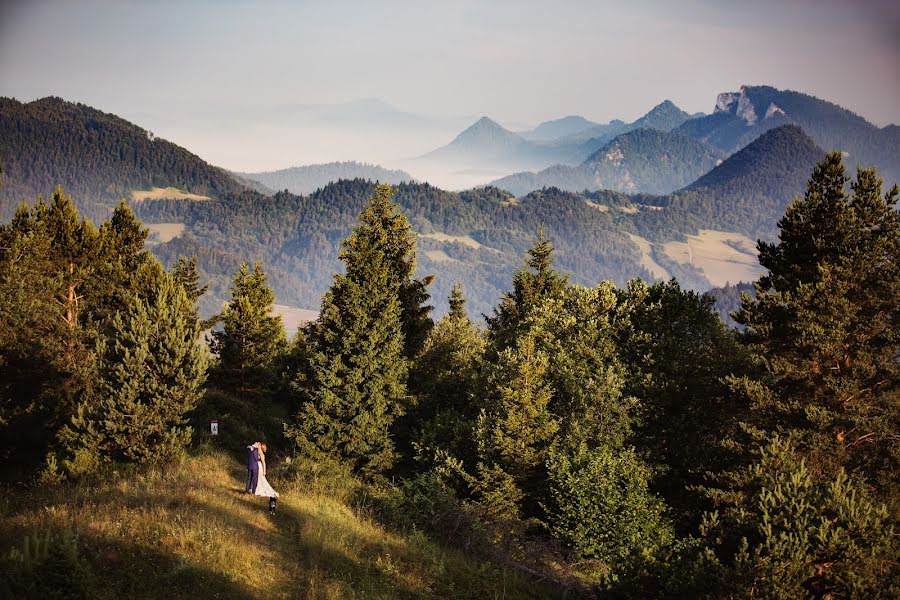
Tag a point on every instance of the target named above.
point(252, 459)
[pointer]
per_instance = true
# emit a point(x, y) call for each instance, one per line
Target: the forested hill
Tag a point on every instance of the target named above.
point(309, 178)
point(97, 157)
point(477, 237)
point(747, 193)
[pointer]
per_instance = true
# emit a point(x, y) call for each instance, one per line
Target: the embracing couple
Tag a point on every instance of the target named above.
point(257, 484)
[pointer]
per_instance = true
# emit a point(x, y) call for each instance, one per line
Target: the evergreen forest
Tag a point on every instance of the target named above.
point(611, 440)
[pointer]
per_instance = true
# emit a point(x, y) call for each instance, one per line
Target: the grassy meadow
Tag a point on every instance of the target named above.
point(190, 532)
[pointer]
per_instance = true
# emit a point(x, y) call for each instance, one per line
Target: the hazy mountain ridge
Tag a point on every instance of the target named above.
point(742, 116)
point(642, 160)
point(558, 128)
point(97, 156)
point(308, 178)
point(487, 147)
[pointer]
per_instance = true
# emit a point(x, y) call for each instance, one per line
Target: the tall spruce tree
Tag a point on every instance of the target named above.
point(530, 286)
point(516, 428)
point(447, 375)
point(53, 253)
point(679, 354)
point(251, 337)
point(825, 325)
point(355, 385)
point(152, 372)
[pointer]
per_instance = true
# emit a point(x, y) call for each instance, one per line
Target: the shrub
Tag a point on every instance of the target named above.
point(600, 507)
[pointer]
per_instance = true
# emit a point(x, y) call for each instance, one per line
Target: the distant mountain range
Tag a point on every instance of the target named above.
point(703, 233)
point(486, 146)
point(309, 178)
point(559, 128)
point(541, 156)
point(642, 160)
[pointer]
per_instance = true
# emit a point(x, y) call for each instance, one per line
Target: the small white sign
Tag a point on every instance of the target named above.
point(214, 427)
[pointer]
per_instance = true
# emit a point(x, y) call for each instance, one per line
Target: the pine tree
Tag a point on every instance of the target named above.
point(530, 287)
point(825, 325)
point(679, 354)
point(48, 256)
point(250, 339)
point(356, 384)
point(152, 372)
point(123, 268)
point(516, 428)
point(446, 377)
point(186, 275)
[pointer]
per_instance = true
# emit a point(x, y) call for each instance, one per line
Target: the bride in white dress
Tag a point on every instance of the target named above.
point(263, 488)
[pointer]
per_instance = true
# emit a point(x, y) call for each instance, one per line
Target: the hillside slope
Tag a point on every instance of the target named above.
point(747, 193)
point(97, 157)
point(189, 532)
point(477, 237)
point(309, 178)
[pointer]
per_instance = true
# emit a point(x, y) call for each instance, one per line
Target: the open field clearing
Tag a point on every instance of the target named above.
point(439, 256)
point(647, 258)
point(462, 239)
point(160, 233)
point(169, 193)
point(722, 255)
point(600, 207)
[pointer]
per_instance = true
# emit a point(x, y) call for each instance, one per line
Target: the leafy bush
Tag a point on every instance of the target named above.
point(601, 508)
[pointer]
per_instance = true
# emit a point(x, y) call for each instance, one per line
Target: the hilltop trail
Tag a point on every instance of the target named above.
point(190, 532)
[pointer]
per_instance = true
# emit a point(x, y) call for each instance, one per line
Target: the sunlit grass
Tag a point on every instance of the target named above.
point(190, 532)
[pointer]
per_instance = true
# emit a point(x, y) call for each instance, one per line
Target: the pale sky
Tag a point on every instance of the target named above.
point(225, 77)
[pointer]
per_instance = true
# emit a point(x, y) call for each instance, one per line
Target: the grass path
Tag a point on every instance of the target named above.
point(190, 532)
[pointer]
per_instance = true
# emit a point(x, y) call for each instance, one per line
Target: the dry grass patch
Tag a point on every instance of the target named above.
point(655, 269)
point(169, 193)
point(439, 256)
point(600, 207)
point(462, 239)
point(160, 233)
point(723, 256)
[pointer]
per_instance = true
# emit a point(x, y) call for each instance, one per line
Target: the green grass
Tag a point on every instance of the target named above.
point(190, 532)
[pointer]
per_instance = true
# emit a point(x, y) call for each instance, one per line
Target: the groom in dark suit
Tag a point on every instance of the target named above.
point(252, 467)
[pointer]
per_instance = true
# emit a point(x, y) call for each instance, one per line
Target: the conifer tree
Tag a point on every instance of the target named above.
point(251, 338)
point(516, 428)
point(186, 275)
point(825, 324)
point(446, 375)
point(48, 255)
point(530, 285)
point(356, 382)
point(123, 268)
point(152, 371)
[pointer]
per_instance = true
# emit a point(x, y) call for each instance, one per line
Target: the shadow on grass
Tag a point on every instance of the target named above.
point(138, 571)
point(363, 576)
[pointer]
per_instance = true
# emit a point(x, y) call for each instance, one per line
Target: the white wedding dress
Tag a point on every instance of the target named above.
point(262, 484)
